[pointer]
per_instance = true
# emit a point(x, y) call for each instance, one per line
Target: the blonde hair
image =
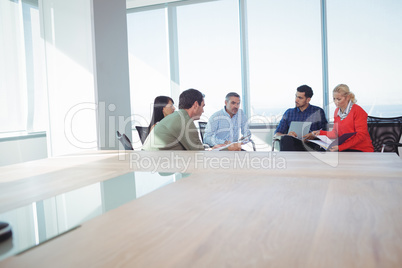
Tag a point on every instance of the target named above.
point(345, 91)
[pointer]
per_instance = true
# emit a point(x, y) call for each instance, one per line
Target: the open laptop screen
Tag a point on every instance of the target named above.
point(300, 128)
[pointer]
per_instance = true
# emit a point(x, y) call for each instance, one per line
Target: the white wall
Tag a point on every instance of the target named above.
point(66, 27)
point(87, 71)
point(112, 94)
point(24, 149)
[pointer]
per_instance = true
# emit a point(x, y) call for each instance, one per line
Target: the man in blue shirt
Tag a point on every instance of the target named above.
point(304, 112)
point(224, 125)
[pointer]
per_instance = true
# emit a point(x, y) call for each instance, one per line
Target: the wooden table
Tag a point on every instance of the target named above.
point(234, 210)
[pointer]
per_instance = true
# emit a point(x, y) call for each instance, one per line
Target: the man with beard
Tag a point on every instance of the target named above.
point(224, 126)
point(303, 112)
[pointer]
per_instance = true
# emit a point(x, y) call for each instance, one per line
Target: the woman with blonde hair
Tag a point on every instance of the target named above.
point(348, 118)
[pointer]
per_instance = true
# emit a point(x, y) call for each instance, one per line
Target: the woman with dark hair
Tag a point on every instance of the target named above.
point(163, 106)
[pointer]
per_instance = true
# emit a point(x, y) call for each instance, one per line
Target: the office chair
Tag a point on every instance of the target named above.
point(385, 133)
point(253, 144)
point(142, 132)
point(202, 126)
point(275, 140)
point(125, 141)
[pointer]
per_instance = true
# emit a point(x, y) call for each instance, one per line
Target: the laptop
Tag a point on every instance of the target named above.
point(300, 128)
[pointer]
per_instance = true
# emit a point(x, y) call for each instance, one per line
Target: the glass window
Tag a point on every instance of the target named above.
point(148, 60)
point(22, 68)
point(364, 52)
point(13, 94)
point(209, 51)
point(35, 66)
point(284, 52)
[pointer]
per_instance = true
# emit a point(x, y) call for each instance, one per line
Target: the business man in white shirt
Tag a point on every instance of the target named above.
point(224, 125)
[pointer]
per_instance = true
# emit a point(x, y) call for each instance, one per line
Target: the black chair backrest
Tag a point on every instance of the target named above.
point(125, 141)
point(202, 126)
point(143, 133)
point(385, 131)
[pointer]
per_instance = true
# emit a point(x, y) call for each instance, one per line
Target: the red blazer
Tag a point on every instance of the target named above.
point(356, 121)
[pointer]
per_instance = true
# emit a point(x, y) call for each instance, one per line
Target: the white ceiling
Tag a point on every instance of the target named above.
point(143, 3)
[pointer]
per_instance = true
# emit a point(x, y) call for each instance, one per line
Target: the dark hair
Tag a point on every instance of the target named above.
point(308, 92)
point(231, 94)
point(188, 97)
point(159, 103)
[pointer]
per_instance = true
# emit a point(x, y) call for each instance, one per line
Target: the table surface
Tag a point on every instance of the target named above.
point(236, 209)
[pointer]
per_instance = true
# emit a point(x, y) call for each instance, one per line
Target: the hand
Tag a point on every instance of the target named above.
point(292, 133)
point(235, 147)
point(316, 133)
point(227, 142)
point(334, 148)
point(218, 145)
point(309, 136)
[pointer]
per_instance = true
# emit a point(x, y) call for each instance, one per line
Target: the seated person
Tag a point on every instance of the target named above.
point(224, 125)
point(348, 117)
point(177, 131)
point(304, 112)
point(163, 106)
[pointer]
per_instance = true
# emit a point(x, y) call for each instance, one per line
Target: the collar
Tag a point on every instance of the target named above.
point(300, 111)
point(227, 114)
point(346, 112)
point(183, 112)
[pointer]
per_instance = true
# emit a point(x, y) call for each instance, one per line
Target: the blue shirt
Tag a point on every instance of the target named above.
point(312, 114)
point(221, 127)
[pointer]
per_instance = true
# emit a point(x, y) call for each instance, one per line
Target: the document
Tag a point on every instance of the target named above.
point(327, 143)
point(242, 141)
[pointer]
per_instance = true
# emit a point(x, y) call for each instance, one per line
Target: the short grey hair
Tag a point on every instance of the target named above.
point(232, 94)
